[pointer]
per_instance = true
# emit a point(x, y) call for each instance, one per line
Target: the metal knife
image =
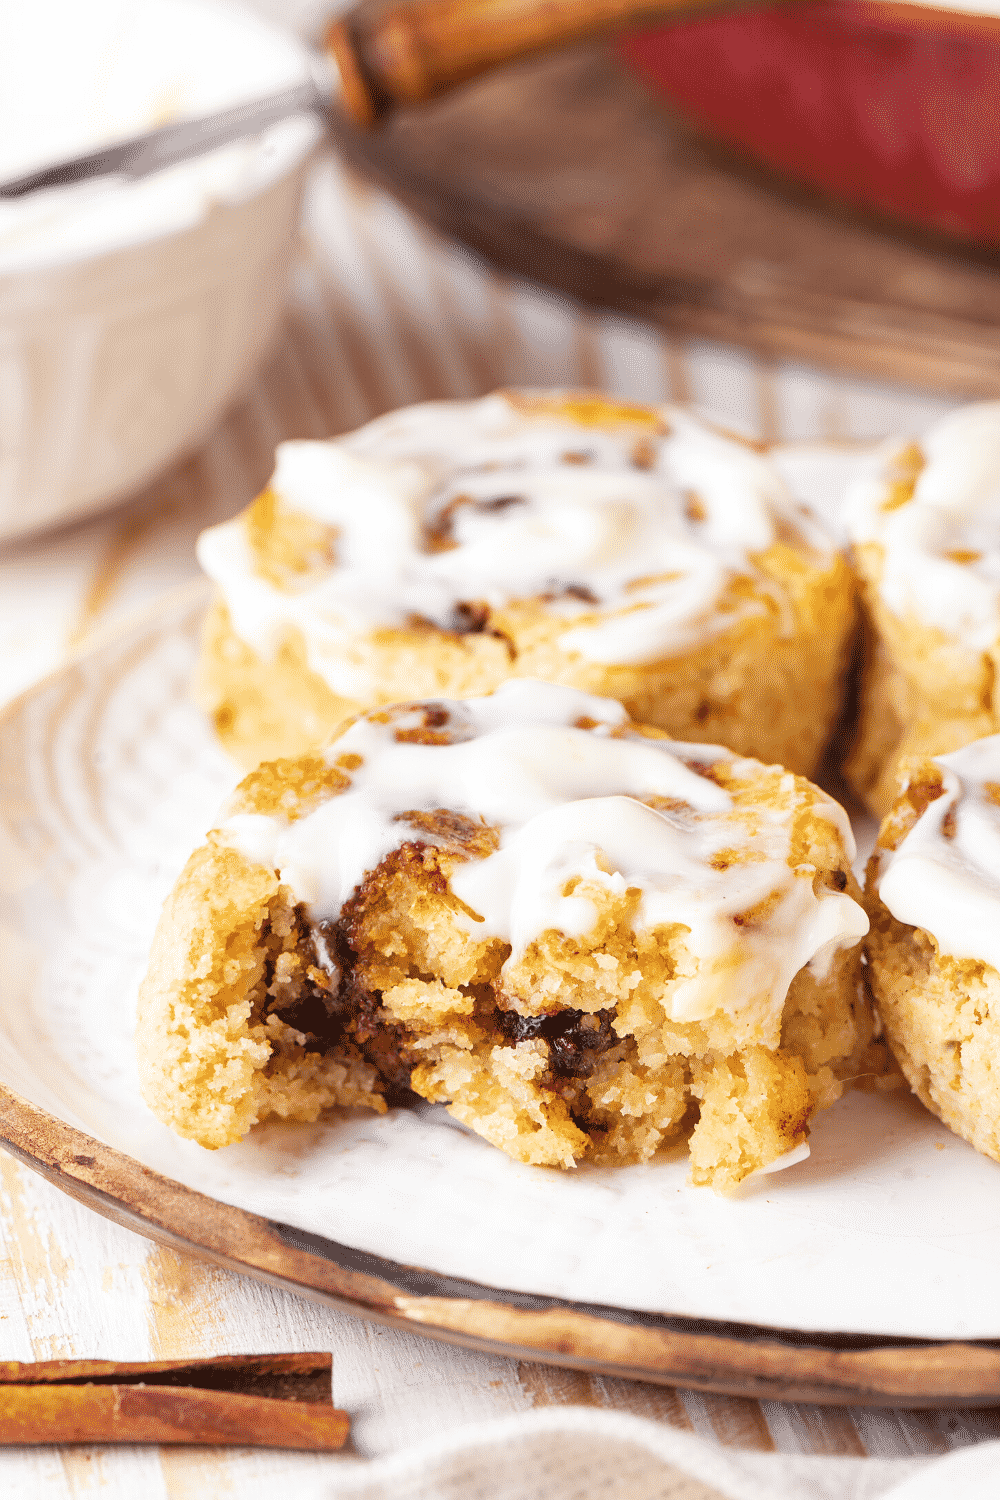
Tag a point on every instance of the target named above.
point(151, 152)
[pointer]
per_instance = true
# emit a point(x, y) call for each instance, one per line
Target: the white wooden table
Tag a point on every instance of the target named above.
point(381, 314)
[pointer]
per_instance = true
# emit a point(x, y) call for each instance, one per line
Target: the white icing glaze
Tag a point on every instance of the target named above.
point(955, 509)
point(945, 874)
point(657, 568)
point(563, 799)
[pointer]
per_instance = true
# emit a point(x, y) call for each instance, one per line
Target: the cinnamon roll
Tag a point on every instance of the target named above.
point(629, 551)
point(585, 939)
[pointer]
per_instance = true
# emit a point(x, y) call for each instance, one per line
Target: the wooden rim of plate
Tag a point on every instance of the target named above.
point(699, 1354)
point(705, 1354)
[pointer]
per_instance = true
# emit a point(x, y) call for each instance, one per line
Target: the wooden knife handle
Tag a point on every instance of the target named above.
point(407, 53)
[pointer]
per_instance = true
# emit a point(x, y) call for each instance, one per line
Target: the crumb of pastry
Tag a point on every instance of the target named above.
point(215, 1055)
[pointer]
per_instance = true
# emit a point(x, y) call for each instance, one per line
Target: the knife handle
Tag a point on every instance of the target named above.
point(408, 53)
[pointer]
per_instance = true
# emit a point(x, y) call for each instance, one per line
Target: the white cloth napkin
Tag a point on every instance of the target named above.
point(576, 1453)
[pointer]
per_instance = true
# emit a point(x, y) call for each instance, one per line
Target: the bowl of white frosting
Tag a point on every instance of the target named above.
point(132, 314)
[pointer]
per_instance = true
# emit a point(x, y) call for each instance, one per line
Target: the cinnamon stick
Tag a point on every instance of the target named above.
point(260, 1401)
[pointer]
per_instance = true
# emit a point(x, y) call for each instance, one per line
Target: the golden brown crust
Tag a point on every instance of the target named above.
point(942, 1019)
point(770, 686)
point(292, 788)
point(902, 481)
point(280, 708)
point(290, 550)
point(941, 1015)
point(589, 409)
point(921, 782)
point(923, 693)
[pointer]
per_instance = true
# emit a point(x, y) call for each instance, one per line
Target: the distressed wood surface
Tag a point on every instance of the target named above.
point(381, 313)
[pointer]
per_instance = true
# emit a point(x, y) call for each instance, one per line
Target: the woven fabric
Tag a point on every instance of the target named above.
point(577, 1453)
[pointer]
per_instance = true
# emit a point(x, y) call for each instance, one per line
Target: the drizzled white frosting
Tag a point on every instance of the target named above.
point(942, 547)
point(945, 874)
point(563, 800)
point(655, 546)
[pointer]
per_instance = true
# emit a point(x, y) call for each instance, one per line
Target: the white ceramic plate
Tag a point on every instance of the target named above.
point(108, 778)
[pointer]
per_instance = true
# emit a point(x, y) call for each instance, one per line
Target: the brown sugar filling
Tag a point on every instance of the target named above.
point(576, 1038)
point(346, 1011)
point(334, 1010)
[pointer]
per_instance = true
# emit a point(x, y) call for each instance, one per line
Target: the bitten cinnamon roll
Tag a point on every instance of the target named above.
point(585, 939)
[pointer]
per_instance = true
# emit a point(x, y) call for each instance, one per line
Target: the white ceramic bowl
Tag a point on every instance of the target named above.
point(131, 316)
